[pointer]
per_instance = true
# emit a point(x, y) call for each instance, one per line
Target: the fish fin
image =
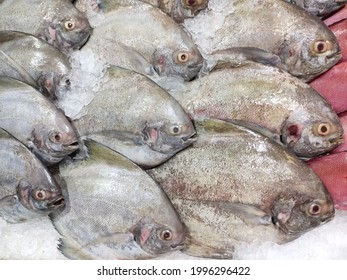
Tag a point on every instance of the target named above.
point(248, 213)
point(100, 152)
point(258, 129)
point(69, 249)
point(239, 56)
point(132, 60)
point(113, 246)
point(16, 66)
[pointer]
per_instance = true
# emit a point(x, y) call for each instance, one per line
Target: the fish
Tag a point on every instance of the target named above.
point(135, 117)
point(304, 44)
point(331, 169)
point(178, 10)
point(35, 121)
point(114, 210)
point(56, 21)
point(320, 8)
point(144, 39)
point(273, 102)
point(27, 189)
point(331, 85)
point(25, 55)
point(234, 185)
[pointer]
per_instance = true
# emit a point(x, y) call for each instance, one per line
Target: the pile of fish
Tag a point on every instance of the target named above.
point(177, 134)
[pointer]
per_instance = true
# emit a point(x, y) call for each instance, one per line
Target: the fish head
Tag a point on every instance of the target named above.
point(167, 137)
point(53, 85)
point(314, 135)
point(182, 9)
point(185, 61)
point(69, 29)
point(296, 214)
point(321, 8)
point(40, 198)
point(52, 144)
point(155, 238)
point(309, 55)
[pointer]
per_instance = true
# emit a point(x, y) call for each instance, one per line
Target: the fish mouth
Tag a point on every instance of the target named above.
point(71, 147)
point(57, 203)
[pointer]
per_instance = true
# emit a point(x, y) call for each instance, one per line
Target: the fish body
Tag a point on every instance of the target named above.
point(27, 189)
point(288, 108)
point(114, 210)
point(320, 8)
point(176, 9)
point(35, 121)
point(151, 42)
point(46, 65)
point(135, 117)
point(234, 185)
point(305, 46)
point(56, 21)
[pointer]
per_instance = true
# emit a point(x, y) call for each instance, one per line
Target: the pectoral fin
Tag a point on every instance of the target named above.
point(248, 213)
point(17, 67)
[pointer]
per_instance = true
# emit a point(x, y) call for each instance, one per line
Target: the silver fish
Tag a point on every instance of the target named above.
point(291, 111)
point(135, 117)
point(159, 47)
point(234, 185)
point(320, 8)
point(35, 121)
point(23, 54)
point(56, 21)
point(114, 210)
point(27, 188)
point(177, 9)
point(304, 44)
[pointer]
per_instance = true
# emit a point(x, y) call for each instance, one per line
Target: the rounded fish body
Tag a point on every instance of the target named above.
point(46, 66)
point(292, 111)
point(155, 44)
point(35, 121)
point(27, 189)
point(135, 117)
point(56, 21)
point(304, 44)
point(114, 210)
point(235, 185)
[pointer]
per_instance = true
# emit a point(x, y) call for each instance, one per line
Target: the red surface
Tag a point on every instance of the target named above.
point(340, 15)
point(332, 170)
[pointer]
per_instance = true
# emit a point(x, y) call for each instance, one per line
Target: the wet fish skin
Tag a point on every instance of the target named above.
point(305, 45)
point(167, 49)
point(320, 8)
point(56, 21)
point(233, 185)
point(125, 115)
point(285, 106)
point(114, 210)
point(46, 65)
point(27, 188)
point(35, 121)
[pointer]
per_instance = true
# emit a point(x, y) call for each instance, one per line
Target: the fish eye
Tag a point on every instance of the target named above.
point(320, 47)
point(56, 137)
point(39, 195)
point(69, 25)
point(322, 129)
point(314, 209)
point(166, 235)
point(175, 130)
point(183, 57)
